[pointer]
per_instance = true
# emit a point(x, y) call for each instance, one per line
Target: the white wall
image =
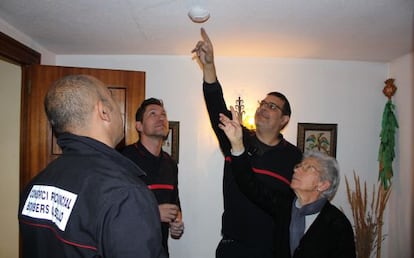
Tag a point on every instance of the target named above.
point(401, 221)
point(10, 81)
point(346, 93)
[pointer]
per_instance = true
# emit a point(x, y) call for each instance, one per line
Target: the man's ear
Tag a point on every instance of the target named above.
point(138, 126)
point(104, 112)
point(285, 120)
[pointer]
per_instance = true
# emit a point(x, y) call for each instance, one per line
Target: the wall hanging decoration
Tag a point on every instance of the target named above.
point(320, 137)
point(389, 125)
point(171, 143)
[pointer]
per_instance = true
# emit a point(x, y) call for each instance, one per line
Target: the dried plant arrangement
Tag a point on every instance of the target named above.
point(368, 217)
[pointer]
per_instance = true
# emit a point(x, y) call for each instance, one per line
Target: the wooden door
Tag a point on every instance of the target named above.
point(38, 142)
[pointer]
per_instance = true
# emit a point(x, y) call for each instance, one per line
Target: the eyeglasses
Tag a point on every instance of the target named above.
point(306, 167)
point(269, 105)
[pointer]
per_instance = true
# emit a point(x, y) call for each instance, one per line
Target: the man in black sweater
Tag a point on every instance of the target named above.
point(247, 231)
point(161, 170)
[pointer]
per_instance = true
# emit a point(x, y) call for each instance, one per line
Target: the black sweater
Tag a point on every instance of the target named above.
point(242, 220)
point(161, 177)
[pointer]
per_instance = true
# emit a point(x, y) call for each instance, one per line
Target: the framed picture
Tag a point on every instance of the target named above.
point(320, 137)
point(171, 143)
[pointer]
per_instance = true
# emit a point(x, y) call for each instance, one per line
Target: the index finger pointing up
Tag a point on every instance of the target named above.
point(205, 36)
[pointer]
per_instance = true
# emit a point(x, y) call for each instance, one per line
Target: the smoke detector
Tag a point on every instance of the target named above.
point(198, 14)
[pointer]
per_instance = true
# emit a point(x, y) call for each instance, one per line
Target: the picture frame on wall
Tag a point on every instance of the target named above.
point(171, 143)
point(320, 137)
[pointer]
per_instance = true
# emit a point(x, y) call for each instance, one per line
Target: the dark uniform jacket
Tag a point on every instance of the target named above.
point(90, 202)
point(161, 177)
point(242, 220)
point(329, 236)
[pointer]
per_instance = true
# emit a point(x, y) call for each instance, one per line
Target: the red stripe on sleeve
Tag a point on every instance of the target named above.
point(265, 172)
point(161, 186)
point(272, 174)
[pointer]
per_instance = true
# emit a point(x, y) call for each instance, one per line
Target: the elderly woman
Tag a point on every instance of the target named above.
point(306, 223)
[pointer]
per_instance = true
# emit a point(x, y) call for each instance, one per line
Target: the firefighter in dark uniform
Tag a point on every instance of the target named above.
point(90, 202)
point(161, 170)
point(247, 231)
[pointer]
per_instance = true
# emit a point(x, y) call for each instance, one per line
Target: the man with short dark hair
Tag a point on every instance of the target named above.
point(161, 170)
point(247, 231)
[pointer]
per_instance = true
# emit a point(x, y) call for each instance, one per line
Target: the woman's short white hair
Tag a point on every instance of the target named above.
point(329, 170)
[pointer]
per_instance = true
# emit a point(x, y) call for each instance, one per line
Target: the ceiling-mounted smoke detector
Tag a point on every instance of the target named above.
point(198, 14)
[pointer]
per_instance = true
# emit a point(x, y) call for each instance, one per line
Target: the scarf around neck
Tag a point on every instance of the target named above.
point(297, 223)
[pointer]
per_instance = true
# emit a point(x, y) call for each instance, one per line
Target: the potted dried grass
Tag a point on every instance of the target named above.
point(367, 217)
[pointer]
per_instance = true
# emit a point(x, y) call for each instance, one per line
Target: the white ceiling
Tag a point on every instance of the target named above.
point(366, 30)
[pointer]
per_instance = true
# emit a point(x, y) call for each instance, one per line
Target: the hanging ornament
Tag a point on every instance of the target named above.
point(389, 125)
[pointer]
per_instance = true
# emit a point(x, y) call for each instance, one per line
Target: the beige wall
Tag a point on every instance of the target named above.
point(401, 235)
point(10, 87)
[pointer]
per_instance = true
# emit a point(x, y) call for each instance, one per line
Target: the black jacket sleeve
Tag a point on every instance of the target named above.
point(270, 200)
point(213, 96)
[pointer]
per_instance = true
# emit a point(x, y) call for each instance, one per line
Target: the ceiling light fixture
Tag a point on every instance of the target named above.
point(198, 14)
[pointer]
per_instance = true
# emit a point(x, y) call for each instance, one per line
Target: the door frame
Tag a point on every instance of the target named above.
point(15, 52)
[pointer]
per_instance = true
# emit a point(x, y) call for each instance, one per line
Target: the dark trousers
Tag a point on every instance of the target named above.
point(229, 248)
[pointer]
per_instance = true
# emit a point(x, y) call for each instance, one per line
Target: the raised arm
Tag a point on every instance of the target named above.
point(205, 54)
point(266, 198)
point(213, 93)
